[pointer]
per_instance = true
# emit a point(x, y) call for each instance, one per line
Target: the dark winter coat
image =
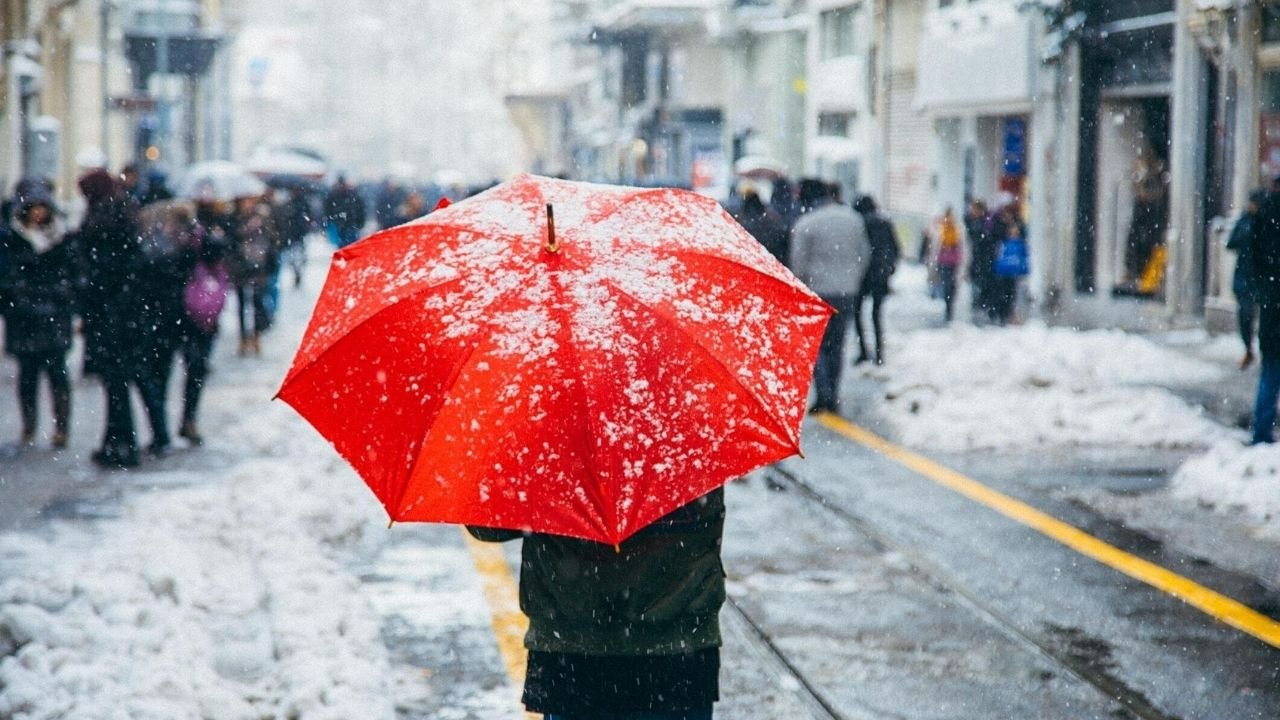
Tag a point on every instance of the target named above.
point(884, 255)
point(767, 228)
point(293, 220)
point(1240, 241)
point(255, 250)
point(983, 244)
point(167, 232)
point(344, 208)
point(1264, 251)
point(37, 294)
point(659, 593)
point(107, 245)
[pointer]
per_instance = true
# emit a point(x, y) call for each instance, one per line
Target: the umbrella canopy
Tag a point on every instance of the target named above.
point(274, 162)
point(484, 366)
point(758, 167)
point(217, 180)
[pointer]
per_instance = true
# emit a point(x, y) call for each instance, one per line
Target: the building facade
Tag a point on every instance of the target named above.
point(98, 83)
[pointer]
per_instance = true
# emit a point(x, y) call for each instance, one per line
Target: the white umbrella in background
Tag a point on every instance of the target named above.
point(218, 180)
point(282, 162)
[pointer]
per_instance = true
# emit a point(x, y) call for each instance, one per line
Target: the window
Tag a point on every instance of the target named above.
point(1271, 24)
point(834, 124)
point(838, 32)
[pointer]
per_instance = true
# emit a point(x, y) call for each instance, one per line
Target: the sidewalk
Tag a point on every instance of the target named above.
point(1230, 401)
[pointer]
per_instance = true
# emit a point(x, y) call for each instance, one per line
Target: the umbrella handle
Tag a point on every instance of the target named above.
point(552, 245)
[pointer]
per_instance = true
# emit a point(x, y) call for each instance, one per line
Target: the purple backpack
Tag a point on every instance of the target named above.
point(205, 295)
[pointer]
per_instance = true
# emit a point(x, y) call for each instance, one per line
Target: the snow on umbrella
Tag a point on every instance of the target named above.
point(218, 180)
point(559, 357)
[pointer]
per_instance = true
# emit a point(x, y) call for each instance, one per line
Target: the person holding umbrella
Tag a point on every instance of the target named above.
point(588, 385)
point(625, 632)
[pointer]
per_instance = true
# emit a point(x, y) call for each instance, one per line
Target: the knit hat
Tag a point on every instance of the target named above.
point(33, 191)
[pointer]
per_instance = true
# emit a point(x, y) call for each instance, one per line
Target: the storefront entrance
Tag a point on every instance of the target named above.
point(1132, 201)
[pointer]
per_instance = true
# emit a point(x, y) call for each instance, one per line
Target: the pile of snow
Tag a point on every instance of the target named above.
point(1231, 477)
point(966, 388)
point(224, 600)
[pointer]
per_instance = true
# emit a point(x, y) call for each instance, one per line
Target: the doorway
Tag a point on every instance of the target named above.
point(1132, 195)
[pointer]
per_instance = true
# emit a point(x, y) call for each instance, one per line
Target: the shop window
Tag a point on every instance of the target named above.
point(1269, 135)
point(1271, 24)
point(838, 32)
point(835, 124)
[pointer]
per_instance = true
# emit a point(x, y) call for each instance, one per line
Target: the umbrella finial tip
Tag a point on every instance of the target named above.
point(552, 245)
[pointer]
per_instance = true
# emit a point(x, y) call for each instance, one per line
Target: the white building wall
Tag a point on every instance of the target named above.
point(840, 84)
point(977, 55)
point(907, 189)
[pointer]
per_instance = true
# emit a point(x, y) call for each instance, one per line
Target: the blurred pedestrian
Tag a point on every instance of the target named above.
point(344, 213)
point(765, 226)
point(784, 202)
point(204, 296)
point(1246, 303)
point(157, 188)
point(110, 256)
point(131, 182)
point(37, 292)
point(626, 633)
point(254, 258)
point(875, 285)
point(982, 258)
point(1012, 262)
point(1264, 284)
point(830, 252)
point(388, 202)
point(948, 258)
point(413, 207)
point(293, 222)
point(168, 238)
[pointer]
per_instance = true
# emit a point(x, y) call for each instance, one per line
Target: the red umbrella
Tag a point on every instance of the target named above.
point(559, 357)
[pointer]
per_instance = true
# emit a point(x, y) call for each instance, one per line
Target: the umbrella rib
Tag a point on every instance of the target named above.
point(593, 433)
point(697, 342)
point(421, 441)
point(297, 372)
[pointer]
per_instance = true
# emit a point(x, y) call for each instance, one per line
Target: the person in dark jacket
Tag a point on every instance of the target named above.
point(765, 226)
point(293, 222)
point(784, 202)
point(1246, 304)
point(37, 293)
point(344, 212)
point(165, 238)
point(631, 632)
point(1003, 289)
point(111, 257)
point(982, 259)
point(205, 293)
point(1264, 283)
point(875, 284)
point(253, 260)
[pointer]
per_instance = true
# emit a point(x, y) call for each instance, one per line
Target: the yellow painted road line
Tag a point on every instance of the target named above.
point(509, 624)
point(1216, 605)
